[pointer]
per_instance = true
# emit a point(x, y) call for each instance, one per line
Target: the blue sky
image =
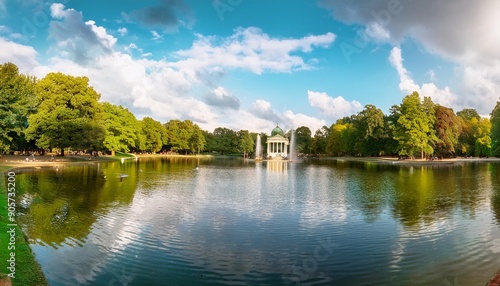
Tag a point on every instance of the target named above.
point(248, 64)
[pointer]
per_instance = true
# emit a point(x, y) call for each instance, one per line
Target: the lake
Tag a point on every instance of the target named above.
point(235, 222)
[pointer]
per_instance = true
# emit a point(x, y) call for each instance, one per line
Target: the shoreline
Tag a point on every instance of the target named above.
point(27, 269)
point(16, 162)
point(408, 162)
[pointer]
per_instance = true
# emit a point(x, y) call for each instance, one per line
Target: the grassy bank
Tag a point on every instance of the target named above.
point(28, 271)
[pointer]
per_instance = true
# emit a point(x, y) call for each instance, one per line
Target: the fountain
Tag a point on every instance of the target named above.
point(258, 149)
point(292, 145)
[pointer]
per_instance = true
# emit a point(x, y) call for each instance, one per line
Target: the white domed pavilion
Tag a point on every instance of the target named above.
point(277, 144)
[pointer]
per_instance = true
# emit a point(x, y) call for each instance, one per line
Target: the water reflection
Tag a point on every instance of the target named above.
point(204, 221)
point(278, 166)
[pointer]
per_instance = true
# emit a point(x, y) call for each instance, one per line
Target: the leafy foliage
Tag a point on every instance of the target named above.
point(121, 128)
point(67, 114)
point(17, 102)
point(414, 126)
point(62, 111)
point(495, 130)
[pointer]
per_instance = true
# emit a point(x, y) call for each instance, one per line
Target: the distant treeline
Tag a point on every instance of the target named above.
point(64, 112)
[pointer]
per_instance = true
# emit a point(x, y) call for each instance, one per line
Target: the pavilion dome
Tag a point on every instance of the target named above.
point(277, 130)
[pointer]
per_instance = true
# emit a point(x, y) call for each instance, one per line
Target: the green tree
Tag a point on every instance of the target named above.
point(17, 102)
point(495, 130)
point(210, 144)
point(185, 136)
point(371, 130)
point(121, 128)
point(68, 112)
point(303, 140)
point(246, 142)
point(320, 140)
point(197, 140)
point(226, 140)
point(414, 127)
point(468, 114)
point(155, 134)
point(448, 129)
point(337, 140)
point(178, 136)
point(482, 132)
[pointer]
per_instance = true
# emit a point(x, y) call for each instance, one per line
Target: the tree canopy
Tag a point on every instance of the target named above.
point(63, 111)
point(17, 103)
point(68, 114)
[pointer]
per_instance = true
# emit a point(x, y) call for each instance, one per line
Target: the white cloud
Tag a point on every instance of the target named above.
point(481, 84)
point(251, 49)
point(4, 29)
point(221, 97)
point(156, 36)
point(122, 31)
point(407, 85)
point(296, 120)
point(262, 109)
point(165, 89)
point(23, 56)
point(470, 41)
point(377, 32)
point(432, 75)
point(433, 24)
point(81, 41)
point(333, 108)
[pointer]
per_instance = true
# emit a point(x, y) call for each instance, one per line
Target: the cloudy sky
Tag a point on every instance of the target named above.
point(248, 64)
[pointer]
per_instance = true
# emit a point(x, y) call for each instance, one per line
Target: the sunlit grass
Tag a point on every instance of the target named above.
point(28, 271)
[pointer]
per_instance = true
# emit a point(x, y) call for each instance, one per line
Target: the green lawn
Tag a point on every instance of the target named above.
point(28, 271)
point(120, 155)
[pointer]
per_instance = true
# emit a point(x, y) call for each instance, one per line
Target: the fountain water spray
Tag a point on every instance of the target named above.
point(258, 148)
point(292, 145)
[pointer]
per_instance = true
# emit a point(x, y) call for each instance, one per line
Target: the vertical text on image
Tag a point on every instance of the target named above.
point(11, 227)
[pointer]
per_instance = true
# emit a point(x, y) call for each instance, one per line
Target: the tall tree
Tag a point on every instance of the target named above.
point(468, 114)
point(320, 140)
point(246, 144)
point(337, 140)
point(414, 127)
point(197, 140)
point(17, 102)
point(482, 132)
point(185, 136)
point(495, 130)
point(469, 119)
point(448, 129)
point(120, 128)
point(371, 130)
point(226, 140)
point(210, 144)
point(155, 134)
point(68, 110)
point(303, 139)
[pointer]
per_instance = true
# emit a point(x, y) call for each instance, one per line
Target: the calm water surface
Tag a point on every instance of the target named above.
point(271, 223)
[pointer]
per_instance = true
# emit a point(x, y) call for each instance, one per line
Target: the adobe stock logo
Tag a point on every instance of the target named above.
point(32, 25)
point(381, 19)
point(224, 6)
point(296, 272)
